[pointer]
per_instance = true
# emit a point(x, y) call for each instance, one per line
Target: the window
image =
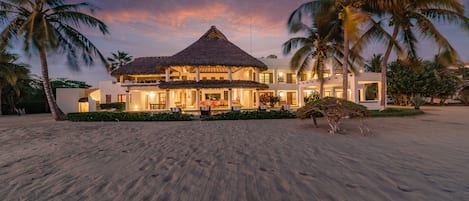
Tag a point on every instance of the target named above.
point(121, 98)
point(371, 91)
point(266, 78)
point(108, 98)
point(204, 78)
point(281, 77)
point(213, 78)
point(212, 96)
point(222, 78)
point(184, 77)
point(225, 95)
point(289, 78)
point(304, 77)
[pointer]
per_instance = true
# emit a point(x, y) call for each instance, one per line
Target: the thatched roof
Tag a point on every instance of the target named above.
point(214, 49)
point(212, 84)
point(142, 66)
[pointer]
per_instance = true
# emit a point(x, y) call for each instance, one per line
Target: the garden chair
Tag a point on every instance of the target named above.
point(205, 111)
point(262, 108)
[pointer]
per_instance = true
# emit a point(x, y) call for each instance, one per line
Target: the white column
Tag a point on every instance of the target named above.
point(258, 96)
point(354, 88)
point(197, 99)
point(230, 74)
point(168, 74)
point(275, 76)
point(257, 75)
point(379, 96)
point(301, 100)
point(127, 99)
point(241, 96)
point(197, 74)
point(230, 98)
point(167, 100)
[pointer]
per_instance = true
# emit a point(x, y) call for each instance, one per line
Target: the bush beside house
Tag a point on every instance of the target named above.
point(127, 116)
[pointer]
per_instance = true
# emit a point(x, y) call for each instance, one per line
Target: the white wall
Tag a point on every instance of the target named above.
point(110, 88)
point(67, 99)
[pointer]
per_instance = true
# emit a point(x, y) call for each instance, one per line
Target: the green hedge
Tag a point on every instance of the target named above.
point(118, 106)
point(127, 116)
point(394, 112)
point(242, 115)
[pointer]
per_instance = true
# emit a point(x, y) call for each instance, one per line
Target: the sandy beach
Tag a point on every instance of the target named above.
point(409, 158)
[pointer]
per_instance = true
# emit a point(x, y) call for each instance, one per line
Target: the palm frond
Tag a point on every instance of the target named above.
point(77, 19)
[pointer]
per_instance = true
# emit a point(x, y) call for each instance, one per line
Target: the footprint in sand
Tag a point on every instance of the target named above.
point(232, 163)
point(406, 189)
point(306, 174)
point(203, 163)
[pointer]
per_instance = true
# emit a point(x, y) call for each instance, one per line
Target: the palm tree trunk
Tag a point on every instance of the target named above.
point(321, 88)
point(384, 68)
point(57, 114)
point(345, 65)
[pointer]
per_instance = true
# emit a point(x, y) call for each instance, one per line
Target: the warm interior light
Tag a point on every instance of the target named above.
point(152, 95)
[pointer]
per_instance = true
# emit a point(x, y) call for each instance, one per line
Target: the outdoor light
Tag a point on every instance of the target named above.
point(282, 94)
point(280, 74)
point(152, 95)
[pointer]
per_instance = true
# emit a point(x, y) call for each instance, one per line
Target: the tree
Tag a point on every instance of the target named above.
point(440, 81)
point(118, 59)
point(51, 26)
point(407, 80)
point(347, 16)
point(10, 73)
point(318, 46)
point(411, 16)
point(67, 83)
point(374, 64)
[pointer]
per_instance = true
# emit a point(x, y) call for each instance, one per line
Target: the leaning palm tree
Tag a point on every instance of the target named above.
point(318, 46)
point(51, 26)
point(348, 15)
point(11, 72)
point(413, 18)
point(118, 59)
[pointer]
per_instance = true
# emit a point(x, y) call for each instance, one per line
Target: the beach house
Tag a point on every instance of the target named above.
point(213, 72)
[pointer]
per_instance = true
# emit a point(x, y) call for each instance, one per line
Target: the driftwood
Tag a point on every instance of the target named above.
point(334, 110)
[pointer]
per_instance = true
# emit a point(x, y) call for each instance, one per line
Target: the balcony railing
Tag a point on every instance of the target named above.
point(141, 82)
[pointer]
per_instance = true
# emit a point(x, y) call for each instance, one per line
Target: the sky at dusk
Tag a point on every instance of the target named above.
point(164, 27)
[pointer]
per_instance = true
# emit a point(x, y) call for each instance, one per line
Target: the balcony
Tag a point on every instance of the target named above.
point(129, 83)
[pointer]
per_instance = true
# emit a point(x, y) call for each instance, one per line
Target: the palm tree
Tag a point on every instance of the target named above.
point(318, 46)
point(411, 18)
point(374, 64)
point(48, 26)
point(347, 15)
point(10, 73)
point(118, 59)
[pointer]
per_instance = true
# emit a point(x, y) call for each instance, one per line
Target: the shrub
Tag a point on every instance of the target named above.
point(334, 109)
point(244, 115)
point(117, 105)
point(417, 101)
point(464, 96)
point(127, 116)
point(312, 97)
point(395, 112)
point(274, 100)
